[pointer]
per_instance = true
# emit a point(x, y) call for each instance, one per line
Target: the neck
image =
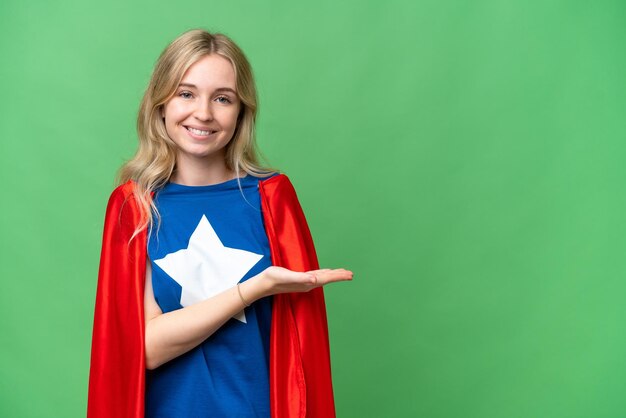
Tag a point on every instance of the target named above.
point(200, 172)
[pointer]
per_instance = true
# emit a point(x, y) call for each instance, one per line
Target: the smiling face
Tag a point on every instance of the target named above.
point(201, 117)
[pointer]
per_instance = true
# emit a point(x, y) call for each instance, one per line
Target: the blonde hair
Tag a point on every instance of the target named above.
point(155, 160)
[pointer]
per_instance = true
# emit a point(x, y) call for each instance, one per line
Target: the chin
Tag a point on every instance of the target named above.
point(204, 153)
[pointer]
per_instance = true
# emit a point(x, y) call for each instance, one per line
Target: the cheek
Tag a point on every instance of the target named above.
point(175, 109)
point(232, 118)
point(173, 114)
point(170, 125)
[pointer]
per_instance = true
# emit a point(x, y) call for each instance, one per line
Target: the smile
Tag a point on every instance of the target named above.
point(199, 132)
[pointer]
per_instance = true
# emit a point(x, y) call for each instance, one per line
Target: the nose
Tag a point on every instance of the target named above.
point(203, 111)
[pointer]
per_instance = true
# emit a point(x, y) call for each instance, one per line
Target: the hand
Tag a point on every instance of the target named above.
point(281, 280)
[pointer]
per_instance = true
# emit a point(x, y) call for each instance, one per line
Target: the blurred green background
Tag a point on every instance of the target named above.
point(464, 158)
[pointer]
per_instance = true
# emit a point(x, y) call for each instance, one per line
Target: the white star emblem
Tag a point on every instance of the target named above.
point(206, 268)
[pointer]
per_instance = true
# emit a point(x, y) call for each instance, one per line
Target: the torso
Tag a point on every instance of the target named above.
point(210, 238)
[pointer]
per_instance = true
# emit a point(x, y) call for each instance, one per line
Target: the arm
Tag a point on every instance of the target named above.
point(300, 377)
point(171, 334)
point(116, 376)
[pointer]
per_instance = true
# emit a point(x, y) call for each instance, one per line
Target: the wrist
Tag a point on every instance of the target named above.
point(253, 289)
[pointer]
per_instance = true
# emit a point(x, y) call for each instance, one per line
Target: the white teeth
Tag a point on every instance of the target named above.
point(198, 131)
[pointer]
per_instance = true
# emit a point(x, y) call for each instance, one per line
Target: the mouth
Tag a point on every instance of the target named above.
point(200, 132)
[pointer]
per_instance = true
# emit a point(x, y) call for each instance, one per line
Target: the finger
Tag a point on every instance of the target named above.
point(342, 272)
point(326, 270)
point(318, 271)
point(332, 276)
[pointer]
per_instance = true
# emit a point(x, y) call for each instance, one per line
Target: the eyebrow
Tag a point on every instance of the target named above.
point(218, 89)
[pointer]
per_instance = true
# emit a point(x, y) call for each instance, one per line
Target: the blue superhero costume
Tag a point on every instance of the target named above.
point(209, 239)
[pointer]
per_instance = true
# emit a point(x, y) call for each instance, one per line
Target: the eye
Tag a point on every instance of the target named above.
point(185, 94)
point(223, 99)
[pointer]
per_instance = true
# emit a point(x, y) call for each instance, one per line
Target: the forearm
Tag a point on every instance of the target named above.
point(171, 334)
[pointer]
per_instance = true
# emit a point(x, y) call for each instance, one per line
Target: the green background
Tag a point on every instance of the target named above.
point(464, 158)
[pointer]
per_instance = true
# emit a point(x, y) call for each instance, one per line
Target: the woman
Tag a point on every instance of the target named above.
point(208, 276)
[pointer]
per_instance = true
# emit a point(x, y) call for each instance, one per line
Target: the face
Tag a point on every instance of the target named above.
point(201, 117)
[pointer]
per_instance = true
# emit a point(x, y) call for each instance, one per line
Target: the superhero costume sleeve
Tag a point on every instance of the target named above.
point(300, 379)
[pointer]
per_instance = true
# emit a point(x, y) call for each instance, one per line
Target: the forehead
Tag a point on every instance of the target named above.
point(211, 72)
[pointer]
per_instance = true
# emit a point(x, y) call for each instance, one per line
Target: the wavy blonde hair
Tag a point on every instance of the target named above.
point(155, 160)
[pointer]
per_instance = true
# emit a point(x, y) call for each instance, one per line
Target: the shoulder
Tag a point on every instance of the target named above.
point(123, 213)
point(123, 190)
point(278, 186)
point(278, 190)
point(277, 181)
point(122, 194)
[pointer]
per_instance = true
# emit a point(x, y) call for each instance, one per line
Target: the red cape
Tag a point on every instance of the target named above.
point(300, 379)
